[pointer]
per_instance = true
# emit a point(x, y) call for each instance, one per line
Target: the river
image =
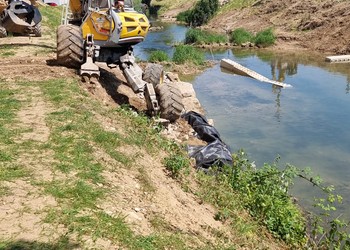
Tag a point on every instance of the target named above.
point(307, 125)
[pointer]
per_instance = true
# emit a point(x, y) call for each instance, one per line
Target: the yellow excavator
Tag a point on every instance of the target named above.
point(105, 31)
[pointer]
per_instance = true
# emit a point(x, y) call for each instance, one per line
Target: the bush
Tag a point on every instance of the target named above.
point(265, 38)
point(183, 16)
point(241, 36)
point(186, 53)
point(158, 56)
point(199, 37)
point(202, 12)
point(265, 193)
point(175, 164)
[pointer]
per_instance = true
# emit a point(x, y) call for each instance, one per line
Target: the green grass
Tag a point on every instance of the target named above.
point(265, 38)
point(8, 50)
point(51, 18)
point(158, 56)
point(183, 16)
point(197, 36)
point(186, 53)
point(240, 36)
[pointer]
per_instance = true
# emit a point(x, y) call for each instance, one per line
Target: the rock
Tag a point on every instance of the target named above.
point(173, 76)
point(186, 89)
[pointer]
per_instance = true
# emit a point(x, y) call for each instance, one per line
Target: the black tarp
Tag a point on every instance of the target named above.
point(216, 152)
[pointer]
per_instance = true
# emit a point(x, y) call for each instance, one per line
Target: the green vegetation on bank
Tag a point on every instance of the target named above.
point(158, 56)
point(197, 36)
point(201, 13)
point(238, 36)
point(186, 53)
point(263, 38)
point(182, 54)
point(264, 193)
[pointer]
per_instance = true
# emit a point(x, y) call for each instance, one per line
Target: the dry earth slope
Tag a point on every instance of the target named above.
point(28, 68)
point(316, 25)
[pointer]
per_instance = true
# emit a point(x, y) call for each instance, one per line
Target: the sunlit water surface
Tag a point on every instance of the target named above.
point(307, 125)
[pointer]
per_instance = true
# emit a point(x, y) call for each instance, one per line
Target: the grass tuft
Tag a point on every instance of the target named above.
point(240, 36)
point(186, 53)
point(158, 56)
point(197, 36)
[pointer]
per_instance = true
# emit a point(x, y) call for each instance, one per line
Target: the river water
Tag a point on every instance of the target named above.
point(307, 125)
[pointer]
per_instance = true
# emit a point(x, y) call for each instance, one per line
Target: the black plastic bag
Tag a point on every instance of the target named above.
point(216, 152)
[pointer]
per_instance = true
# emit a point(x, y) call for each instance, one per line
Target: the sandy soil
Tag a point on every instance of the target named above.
point(24, 207)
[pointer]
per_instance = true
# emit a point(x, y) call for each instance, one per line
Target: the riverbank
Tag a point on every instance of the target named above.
point(298, 24)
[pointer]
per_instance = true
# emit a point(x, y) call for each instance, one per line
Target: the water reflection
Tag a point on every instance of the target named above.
point(306, 125)
point(277, 92)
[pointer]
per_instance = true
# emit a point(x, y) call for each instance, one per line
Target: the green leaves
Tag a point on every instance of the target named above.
point(202, 12)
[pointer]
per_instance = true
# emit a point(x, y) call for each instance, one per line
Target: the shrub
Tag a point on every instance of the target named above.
point(265, 38)
point(199, 37)
point(158, 56)
point(175, 164)
point(186, 53)
point(183, 16)
point(202, 12)
point(241, 36)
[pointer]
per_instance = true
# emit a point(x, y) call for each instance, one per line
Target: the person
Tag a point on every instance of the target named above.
point(120, 5)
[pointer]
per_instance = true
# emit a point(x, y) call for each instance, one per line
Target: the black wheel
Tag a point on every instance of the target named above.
point(70, 46)
point(154, 74)
point(3, 32)
point(37, 30)
point(170, 101)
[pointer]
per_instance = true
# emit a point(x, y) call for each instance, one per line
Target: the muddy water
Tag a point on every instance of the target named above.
point(307, 125)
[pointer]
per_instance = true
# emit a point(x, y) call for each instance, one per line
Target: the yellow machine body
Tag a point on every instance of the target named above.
point(99, 25)
point(133, 24)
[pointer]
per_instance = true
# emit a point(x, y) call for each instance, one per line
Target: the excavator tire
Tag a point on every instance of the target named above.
point(3, 32)
point(170, 101)
point(37, 30)
point(70, 46)
point(154, 74)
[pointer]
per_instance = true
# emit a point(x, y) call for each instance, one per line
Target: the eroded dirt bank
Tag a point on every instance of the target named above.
point(322, 26)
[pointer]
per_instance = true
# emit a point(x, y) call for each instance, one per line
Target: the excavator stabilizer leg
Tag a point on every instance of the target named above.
point(89, 68)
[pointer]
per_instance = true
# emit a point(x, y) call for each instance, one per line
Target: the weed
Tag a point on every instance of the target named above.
point(158, 56)
point(198, 36)
point(240, 36)
point(184, 16)
point(186, 53)
point(11, 171)
point(265, 38)
point(175, 164)
point(79, 193)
